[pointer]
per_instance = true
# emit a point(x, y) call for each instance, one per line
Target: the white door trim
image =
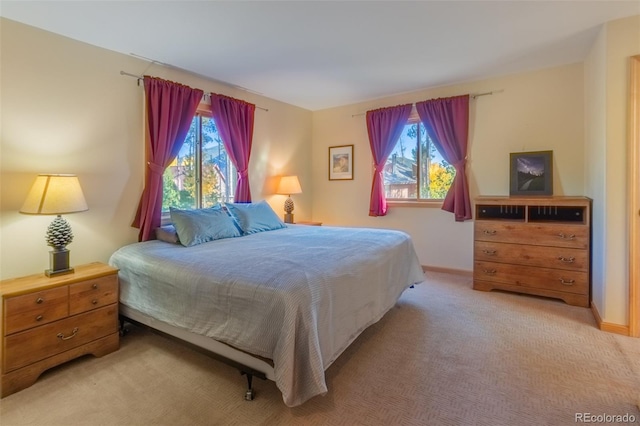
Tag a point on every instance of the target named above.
point(634, 196)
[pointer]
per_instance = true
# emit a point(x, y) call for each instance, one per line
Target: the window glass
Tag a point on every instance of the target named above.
point(202, 173)
point(415, 170)
point(219, 175)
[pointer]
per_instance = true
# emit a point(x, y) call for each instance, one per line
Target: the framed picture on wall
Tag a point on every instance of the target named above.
point(341, 162)
point(531, 173)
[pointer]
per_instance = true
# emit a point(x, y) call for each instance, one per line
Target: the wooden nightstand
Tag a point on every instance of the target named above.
point(49, 321)
point(308, 223)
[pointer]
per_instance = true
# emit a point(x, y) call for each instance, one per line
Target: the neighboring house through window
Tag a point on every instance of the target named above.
point(415, 170)
point(202, 174)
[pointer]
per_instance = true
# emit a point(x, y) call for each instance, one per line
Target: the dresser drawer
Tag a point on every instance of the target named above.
point(525, 276)
point(555, 235)
point(93, 294)
point(29, 346)
point(530, 255)
point(33, 309)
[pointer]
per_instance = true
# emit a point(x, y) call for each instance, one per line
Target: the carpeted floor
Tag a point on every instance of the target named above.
point(445, 355)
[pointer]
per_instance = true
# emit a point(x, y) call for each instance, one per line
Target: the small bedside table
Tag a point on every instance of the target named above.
point(308, 223)
point(49, 321)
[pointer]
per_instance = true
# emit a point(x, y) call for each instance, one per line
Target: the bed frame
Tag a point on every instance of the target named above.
point(247, 364)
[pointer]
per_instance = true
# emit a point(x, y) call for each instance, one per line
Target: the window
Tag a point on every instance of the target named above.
point(415, 170)
point(202, 174)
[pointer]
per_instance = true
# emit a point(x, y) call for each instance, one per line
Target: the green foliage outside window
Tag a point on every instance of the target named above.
point(440, 179)
point(201, 175)
point(430, 176)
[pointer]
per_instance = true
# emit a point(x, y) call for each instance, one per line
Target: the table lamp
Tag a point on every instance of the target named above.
point(289, 185)
point(56, 194)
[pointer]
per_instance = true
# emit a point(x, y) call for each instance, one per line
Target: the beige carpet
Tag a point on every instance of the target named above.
point(445, 355)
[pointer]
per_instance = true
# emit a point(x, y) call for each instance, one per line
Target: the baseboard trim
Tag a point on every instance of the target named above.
point(463, 272)
point(607, 326)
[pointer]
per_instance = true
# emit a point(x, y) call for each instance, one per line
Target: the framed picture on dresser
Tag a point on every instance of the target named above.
point(531, 173)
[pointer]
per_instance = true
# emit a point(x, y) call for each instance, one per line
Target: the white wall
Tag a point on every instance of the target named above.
point(540, 110)
point(595, 154)
point(67, 109)
point(607, 69)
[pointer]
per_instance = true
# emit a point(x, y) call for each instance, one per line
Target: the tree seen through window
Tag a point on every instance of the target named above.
point(415, 170)
point(202, 174)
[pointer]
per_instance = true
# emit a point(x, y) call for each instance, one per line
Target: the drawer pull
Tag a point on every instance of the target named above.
point(566, 259)
point(94, 302)
point(95, 286)
point(73, 334)
point(490, 232)
point(39, 318)
point(489, 252)
point(567, 282)
point(39, 300)
point(489, 271)
point(567, 237)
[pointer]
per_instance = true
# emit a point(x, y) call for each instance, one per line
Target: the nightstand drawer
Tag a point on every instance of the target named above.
point(27, 347)
point(34, 309)
point(93, 294)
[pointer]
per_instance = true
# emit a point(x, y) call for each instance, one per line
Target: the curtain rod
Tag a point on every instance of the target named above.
point(477, 95)
point(139, 77)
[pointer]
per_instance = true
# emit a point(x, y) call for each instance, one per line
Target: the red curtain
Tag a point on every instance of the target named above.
point(447, 123)
point(234, 120)
point(384, 127)
point(170, 110)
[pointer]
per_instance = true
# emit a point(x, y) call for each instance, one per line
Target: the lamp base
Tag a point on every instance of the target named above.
point(288, 218)
point(50, 273)
point(59, 263)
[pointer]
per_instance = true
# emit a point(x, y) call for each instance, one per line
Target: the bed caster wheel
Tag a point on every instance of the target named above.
point(122, 330)
point(248, 395)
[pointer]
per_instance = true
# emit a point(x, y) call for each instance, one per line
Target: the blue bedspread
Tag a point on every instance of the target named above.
point(298, 296)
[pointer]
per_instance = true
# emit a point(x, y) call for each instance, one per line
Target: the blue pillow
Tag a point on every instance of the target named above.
point(202, 225)
point(255, 217)
point(168, 234)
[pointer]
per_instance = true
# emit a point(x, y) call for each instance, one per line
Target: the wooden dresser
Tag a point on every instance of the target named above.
point(534, 245)
point(48, 321)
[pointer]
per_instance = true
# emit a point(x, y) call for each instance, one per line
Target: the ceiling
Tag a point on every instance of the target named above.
point(321, 54)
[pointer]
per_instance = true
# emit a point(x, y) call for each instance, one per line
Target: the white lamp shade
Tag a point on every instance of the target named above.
point(289, 185)
point(55, 194)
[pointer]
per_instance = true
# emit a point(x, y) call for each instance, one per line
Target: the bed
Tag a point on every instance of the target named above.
point(283, 303)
